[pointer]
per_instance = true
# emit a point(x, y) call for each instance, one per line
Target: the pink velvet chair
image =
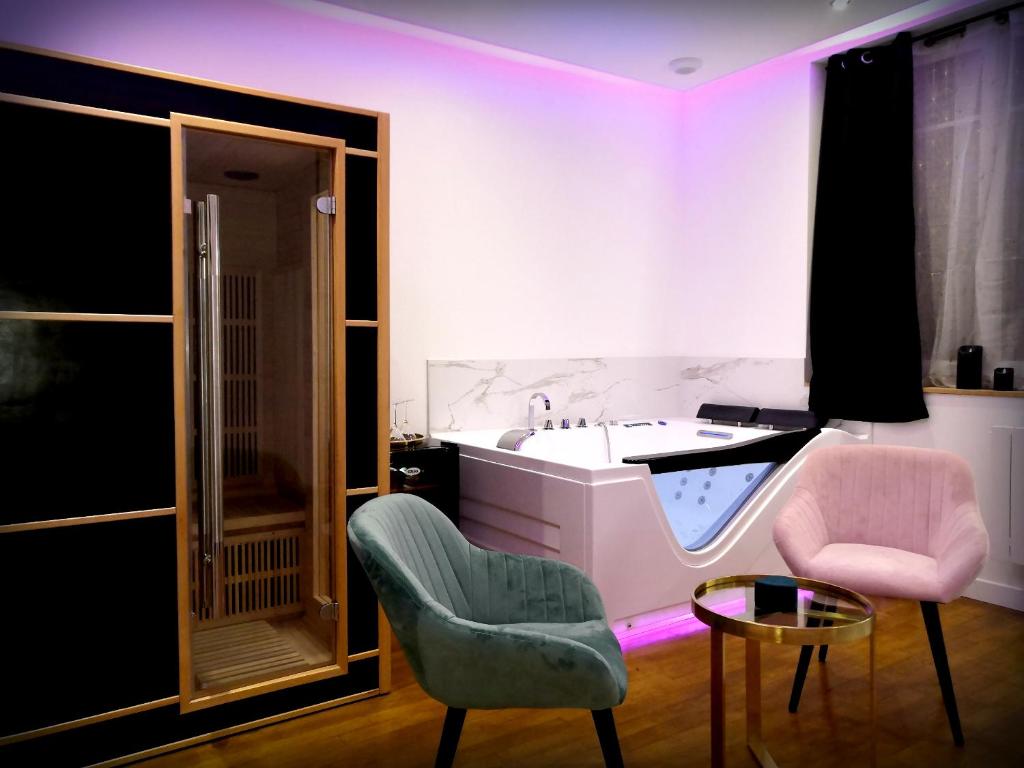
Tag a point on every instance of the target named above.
point(887, 521)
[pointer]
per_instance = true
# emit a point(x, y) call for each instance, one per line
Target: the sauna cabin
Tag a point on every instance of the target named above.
point(193, 307)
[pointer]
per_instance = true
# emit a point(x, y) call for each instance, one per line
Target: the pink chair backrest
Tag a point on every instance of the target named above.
point(890, 496)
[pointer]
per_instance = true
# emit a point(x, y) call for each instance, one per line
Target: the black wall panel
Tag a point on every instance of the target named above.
point(362, 601)
point(46, 77)
point(85, 212)
point(128, 735)
point(361, 406)
point(91, 625)
point(360, 238)
point(87, 417)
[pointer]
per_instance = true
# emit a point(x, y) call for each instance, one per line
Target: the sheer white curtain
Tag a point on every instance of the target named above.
point(969, 197)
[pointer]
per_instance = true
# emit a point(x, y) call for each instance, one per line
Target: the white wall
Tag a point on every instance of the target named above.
point(746, 217)
point(534, 211)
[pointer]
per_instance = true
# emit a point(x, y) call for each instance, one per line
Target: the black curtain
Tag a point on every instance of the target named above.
point(865, 340)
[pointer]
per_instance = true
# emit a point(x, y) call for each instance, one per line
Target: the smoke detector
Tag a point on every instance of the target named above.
point(685, 65)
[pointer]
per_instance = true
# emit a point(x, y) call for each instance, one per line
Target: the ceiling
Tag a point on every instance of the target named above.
point(637, 38)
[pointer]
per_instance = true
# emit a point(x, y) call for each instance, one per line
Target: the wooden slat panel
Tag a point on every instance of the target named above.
point(84, 317)
point(261, 576)
point(92, 719)
point(368, 491)
point(240, 317)
point(150, 72)
point(112, 517)
point(31, 101)
point(252, 725)
point(226, 655)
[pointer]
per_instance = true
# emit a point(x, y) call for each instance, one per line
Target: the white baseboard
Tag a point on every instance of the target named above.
point(997, 593)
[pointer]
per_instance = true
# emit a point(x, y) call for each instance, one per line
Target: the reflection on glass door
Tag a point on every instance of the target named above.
point(265, 576)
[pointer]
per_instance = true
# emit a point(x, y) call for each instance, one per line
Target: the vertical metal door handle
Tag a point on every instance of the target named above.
point(205, 493)
point(211, 394)
point(216, 394)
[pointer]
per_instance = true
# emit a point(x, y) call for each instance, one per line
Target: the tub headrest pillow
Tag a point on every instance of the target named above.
point(730, 414)
point(787, 419)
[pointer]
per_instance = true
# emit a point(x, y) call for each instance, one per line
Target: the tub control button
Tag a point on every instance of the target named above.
point(582, 422)
point(565, 423)
point(548, 424)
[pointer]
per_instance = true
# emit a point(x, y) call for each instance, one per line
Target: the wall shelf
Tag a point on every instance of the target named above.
point(973, 392)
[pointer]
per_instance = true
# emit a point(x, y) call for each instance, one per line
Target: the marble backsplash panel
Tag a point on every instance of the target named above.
point(486, 394)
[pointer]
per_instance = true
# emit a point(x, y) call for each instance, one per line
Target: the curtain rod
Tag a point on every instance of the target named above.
point(930, 38)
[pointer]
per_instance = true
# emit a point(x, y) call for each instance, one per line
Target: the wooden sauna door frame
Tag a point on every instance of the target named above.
point(189, 700)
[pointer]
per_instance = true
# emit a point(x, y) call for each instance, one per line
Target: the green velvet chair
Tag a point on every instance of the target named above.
point(488, 630)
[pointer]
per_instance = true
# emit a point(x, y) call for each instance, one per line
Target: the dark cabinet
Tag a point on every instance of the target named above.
point(431, 472)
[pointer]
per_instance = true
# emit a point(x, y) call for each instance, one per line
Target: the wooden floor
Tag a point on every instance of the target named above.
point(664, 720)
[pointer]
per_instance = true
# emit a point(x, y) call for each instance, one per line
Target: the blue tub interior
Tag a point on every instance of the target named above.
point(700, 502)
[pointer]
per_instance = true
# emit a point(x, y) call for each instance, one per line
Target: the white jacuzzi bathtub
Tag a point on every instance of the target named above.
point(561, 497)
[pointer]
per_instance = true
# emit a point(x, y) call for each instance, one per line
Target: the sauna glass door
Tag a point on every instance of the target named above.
point(262, 467)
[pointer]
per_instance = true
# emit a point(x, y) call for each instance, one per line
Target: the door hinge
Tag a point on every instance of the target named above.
point(327, 204)
point(329, 611)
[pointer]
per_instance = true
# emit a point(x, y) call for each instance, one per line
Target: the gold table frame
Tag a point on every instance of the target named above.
point(755, 633)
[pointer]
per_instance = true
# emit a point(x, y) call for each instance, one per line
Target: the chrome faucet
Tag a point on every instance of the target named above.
point(530, 417)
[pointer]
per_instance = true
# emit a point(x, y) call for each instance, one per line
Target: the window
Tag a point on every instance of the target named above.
point(969, 196)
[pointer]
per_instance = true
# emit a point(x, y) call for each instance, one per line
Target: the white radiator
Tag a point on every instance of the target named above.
point(1008, 475)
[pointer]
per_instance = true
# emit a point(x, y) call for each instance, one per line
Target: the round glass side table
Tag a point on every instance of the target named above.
point(825, 614)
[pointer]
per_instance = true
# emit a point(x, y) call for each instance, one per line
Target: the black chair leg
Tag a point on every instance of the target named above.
point(453, 720)
point(930, 612)
point(806, 651)
point(800, 676)
point(604, 722)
